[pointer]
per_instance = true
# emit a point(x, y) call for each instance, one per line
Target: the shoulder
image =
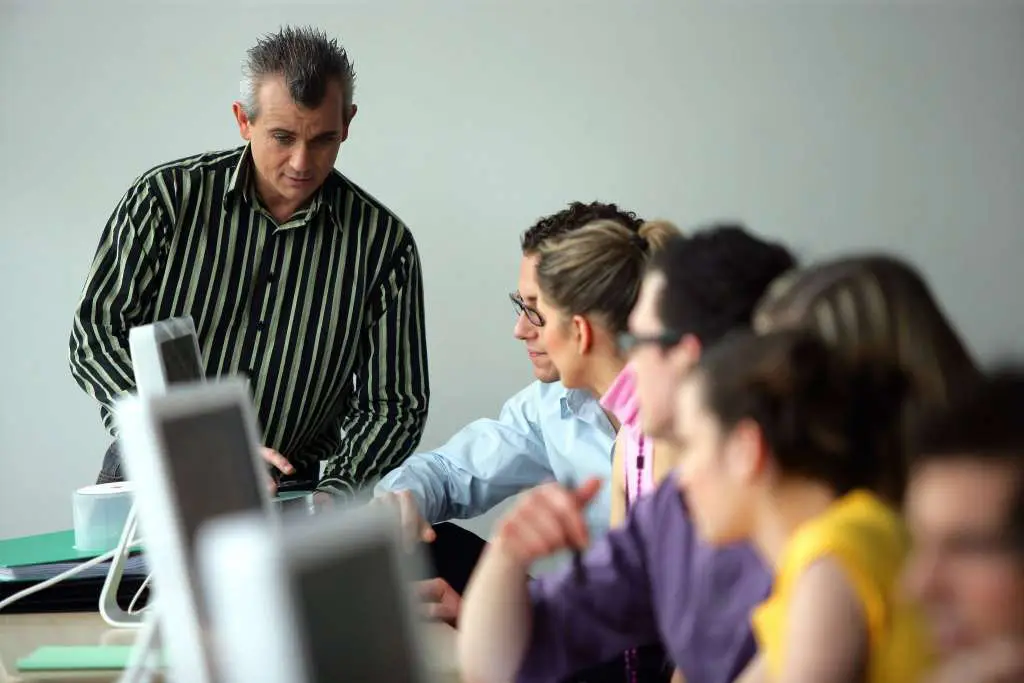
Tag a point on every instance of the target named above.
point(537, 400)
point(206, 162)
point(664, 513)
point(354, 205)
point(167, 182)
point(859, 529)
point(861, 543)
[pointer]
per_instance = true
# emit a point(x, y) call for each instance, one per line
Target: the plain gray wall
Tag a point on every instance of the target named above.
point(830, 126)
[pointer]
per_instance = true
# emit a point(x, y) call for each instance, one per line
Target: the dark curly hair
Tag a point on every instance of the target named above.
point(714, 278)
point(572, 218)
point(824, 415)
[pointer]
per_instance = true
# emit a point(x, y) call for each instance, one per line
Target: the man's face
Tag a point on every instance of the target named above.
point(527, 328)
point(293, 148)
point(970, 582)
point(659, 370)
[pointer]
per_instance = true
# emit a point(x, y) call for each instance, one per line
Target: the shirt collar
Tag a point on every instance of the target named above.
point(241, 183)
point(573, 401)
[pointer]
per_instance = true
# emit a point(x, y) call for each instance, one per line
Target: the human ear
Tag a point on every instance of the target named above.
point(746, 453)
point(583, 334)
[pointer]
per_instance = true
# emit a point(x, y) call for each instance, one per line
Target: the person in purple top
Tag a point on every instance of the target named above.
point(650, 580)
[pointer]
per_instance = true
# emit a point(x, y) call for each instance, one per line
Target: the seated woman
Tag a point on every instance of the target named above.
point(785, 442)
point(589, 281)
point(877, 304)
point(593, 278)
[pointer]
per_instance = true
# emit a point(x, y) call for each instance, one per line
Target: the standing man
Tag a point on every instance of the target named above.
point(294, 275)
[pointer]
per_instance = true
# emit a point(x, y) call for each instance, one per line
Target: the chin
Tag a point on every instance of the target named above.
point(546, 375)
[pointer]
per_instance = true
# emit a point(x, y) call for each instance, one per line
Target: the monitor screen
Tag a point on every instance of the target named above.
point(350, 608)
point(178, 356)
point(211, 469)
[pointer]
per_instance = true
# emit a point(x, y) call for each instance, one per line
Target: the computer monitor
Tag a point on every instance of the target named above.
point(322, 600)
point(192, 455)
point(165, 353)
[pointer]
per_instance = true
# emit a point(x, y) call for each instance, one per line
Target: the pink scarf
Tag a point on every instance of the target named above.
point(621, 401)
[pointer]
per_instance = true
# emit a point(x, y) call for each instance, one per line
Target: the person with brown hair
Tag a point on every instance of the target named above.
point(880, 304)
point(785, 442)
point(589, 283)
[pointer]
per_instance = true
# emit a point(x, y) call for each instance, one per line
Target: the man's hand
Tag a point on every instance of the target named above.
point(280, 462)
point(998, 662)
point(414, 527)
point(547, 519)
point(440, 601)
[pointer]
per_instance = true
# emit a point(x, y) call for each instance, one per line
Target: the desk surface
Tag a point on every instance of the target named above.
point(21, 634)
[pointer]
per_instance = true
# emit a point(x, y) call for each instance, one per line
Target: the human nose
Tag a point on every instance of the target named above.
point(523, 329)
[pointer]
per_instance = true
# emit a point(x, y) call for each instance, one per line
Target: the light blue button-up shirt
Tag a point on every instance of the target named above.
point(544, 432)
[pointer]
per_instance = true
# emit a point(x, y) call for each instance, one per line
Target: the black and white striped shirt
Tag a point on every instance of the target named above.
point(324, 312)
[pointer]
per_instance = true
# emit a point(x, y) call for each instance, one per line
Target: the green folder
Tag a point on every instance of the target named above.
point(57, 546)
point(39, 557)
point(77, 658)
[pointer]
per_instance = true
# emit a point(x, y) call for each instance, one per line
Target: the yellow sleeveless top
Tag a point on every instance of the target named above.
point(869, 541)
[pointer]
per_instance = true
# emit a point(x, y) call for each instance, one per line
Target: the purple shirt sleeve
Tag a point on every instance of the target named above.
point(579, 624)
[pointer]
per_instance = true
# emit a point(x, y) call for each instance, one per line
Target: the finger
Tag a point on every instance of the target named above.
point(271, 486)
point(277, 460)
point(417, 528)
point(562, 506)
point(438, 612)
point(546, 531)
point(431, 589)
point(585, 493)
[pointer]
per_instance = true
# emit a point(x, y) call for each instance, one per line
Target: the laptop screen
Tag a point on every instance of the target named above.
point(352, 614)
point(211, 469)
point(178, 356)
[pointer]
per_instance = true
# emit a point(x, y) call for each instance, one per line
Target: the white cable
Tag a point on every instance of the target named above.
point(138, 594)
point(54, 580)
point(43, 585)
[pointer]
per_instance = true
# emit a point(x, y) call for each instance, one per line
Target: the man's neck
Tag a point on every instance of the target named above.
point(281, 208)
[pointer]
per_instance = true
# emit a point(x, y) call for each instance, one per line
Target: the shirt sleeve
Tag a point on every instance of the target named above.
point(119, 293)
point(482, 465)
point(388, 410)
point(580, 621)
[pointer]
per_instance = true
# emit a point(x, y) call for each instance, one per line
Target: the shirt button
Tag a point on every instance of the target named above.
point(259, 325)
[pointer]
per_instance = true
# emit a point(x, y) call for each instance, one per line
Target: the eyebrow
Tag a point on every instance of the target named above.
point(319, 136)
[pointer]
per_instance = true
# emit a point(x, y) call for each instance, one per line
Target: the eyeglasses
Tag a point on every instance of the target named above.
point(521, 308)
point(664, 340)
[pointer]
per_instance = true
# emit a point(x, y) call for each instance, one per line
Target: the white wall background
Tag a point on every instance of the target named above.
point(831, 126)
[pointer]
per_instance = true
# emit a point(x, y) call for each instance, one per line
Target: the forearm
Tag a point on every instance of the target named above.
point(372, 444)
point(389, 410)
point(99, 359)
point(423, 475)
point(496, 620)
point(481, 466)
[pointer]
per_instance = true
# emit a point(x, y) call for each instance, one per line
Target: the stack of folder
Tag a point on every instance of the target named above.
point(30, 559)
